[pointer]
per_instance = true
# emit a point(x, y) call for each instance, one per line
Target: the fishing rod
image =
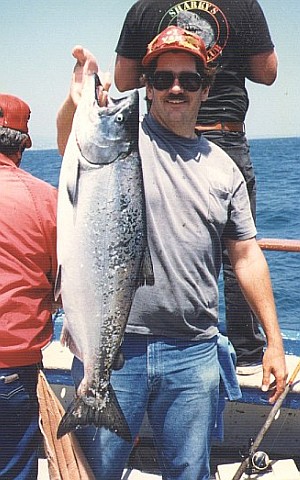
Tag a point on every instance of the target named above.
point(246, 462)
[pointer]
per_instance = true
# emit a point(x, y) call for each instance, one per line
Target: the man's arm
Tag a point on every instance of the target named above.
point(252, 273)
point(64, 121)
point(86, 65)
point(262, 68)
point(128, 73)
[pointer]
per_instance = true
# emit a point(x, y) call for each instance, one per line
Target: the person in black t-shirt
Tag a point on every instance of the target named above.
point(239, 44)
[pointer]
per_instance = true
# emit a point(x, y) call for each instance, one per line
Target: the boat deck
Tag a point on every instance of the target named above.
point(243, 420)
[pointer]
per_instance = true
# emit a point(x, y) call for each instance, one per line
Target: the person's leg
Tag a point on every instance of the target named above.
point(241, 324)
point(105, 452)
point(184, 380)
point(19, 419)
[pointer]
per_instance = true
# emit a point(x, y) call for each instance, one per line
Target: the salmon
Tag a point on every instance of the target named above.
point(102, 249)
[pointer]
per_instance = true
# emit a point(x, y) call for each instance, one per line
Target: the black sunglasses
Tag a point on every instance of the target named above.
point(164, 79)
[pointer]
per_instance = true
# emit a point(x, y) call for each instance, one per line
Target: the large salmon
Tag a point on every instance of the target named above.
point(102, 248)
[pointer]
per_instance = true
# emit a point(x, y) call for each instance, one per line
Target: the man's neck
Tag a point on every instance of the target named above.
point(14, 158)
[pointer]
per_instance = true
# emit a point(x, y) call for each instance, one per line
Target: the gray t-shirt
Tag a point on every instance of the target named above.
point(194, 194)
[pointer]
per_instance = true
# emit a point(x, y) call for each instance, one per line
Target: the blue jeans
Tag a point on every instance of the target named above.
point(19, 423)
point(241, 324)
point(177, 383)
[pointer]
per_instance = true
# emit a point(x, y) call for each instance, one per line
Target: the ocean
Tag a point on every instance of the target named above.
point(276, 163)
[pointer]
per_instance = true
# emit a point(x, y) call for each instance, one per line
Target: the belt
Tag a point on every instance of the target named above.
point(226, 126)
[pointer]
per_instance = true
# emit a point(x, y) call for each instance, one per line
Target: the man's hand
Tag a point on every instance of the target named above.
point(87, 65)
point(274, 363)
point(252, 272)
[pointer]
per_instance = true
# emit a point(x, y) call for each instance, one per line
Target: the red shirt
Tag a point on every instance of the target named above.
point(27, 264)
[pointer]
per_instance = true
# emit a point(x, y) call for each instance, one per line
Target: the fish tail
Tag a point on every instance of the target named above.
point(82, 414)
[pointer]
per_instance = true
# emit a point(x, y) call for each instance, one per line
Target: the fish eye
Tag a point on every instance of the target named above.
point(119, 117)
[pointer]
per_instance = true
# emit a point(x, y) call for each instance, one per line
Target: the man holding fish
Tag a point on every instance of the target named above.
point(195, 197)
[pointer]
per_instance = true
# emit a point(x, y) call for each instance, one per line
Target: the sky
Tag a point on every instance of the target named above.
point(37, 37)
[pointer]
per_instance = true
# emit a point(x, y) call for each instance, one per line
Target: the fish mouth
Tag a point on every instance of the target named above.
point(111, 102)
point(104, 134)
point(96, 88)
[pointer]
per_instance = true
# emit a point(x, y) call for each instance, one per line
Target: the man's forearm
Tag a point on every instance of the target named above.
point(128, 74)
point(262, 68)
point(252, 272)
point(64, 123)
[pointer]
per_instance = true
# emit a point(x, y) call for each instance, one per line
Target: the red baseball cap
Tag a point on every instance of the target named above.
point(14, 114)
point(175, 39)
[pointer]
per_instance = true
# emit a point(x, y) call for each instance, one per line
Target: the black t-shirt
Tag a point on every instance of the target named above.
point(232, 30)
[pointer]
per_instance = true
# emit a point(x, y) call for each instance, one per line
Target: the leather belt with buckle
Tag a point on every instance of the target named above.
point(225, 126)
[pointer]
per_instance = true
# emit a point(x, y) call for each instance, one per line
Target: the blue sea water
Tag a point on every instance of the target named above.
point(276, 162)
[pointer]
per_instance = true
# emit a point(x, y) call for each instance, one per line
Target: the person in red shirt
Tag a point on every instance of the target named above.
point(27, 274)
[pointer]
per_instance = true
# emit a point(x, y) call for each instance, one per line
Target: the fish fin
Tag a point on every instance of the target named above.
point(146, 276)
point(118, 361)
point(72, 187)
point(57, 286)
point(67, 341)
point(81, 414)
